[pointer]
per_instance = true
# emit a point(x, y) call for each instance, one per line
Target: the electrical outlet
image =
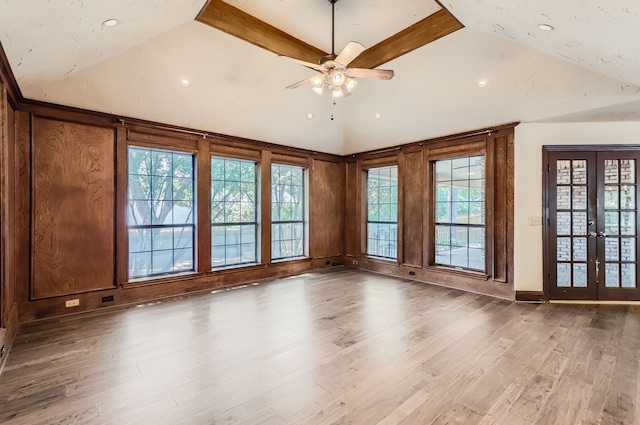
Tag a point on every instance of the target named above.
point(107, 299)
point(535, 220)
point(355, 262)
point(2, 352)
point(72, 303)
point(412, 273)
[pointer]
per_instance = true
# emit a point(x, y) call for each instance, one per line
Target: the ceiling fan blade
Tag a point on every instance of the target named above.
point(315, 66)
point(377, 74)
point(300, 83)
point(349, 53)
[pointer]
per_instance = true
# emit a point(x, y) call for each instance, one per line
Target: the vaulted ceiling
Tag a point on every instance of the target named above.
point(587, 69)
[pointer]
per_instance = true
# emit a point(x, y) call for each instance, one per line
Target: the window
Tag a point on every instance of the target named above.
point(287, 212)
point(382, 212)
point(160, 212)
point(460, 212)
point(234, 226)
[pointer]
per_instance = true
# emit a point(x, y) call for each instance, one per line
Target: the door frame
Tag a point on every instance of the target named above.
point(546, 186)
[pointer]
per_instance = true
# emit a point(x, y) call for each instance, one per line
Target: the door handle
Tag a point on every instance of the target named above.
point(592, 234)
point(602, 235)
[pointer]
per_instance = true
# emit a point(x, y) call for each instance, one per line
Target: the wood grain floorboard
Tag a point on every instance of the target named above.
point(328, 348)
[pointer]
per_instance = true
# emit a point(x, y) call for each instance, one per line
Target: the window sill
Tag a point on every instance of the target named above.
point(459, 272)
point(291, 260)
point(160, 280)
point(235, 269)
point(382, 260)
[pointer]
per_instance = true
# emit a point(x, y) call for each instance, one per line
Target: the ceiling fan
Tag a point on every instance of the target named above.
point(334, 72)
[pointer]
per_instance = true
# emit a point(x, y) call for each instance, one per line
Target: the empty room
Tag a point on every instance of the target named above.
point(319, 212)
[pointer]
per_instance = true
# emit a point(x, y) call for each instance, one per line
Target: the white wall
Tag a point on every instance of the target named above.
point(529, 139)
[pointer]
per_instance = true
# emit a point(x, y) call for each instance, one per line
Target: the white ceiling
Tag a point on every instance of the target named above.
point(587, 69)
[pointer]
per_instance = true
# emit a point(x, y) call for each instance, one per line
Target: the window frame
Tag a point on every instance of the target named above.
point(257, 212)
point(433, 223)
point(305, 211)
point(367, 222)
point(173, 150)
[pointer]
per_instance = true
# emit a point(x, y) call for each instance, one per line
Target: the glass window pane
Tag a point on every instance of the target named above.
point(611, 223)
point(563, 275)
point(611, 278)
point(288, 206)
point(160, 194)
point(579, 171)
point(610, 171)
point(579, 275)
point(628, 224)
point(563, 249)
point(579, 197)
point(162, 239)
point(563, 197)
point(579, 249)
point(563, 175)
point(611, 198)
point(611, 251)
point(628, 197)
point(563, 226)
point(139, 240)
point(382, 207)
point(628, 249)
point(628, 275)
point(460, 213)
point(628, 171)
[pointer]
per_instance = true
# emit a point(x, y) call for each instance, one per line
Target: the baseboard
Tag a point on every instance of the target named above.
point(530, 296)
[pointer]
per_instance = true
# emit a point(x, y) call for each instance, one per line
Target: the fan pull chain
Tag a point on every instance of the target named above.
point(332, 109)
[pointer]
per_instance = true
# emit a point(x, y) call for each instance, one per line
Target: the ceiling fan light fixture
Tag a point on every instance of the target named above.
point(337, 78)
point(318, 90)
point(351, 83)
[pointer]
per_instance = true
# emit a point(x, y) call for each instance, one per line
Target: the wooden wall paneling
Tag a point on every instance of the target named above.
point(412, 170)
point(500, 209)
point(217, 149)
point(122, 196)
point(282, 158)
point(265, 207)
point(8, 293)
point(4, 202)
point(510, 205)
point(203, 204)
point(326, 209)
point(23, 206)
point(361, 209)
point(351, 222)
point(428, 210)
point(489, 202)
point(163, 140)
point(73, 232)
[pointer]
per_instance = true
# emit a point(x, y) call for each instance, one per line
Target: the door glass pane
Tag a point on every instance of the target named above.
point(611, 249)
point(628, 198)
point(564, 223)
point(563, 197)
point(579, 198)
point(628, 249)
point(562, 174)
point(628, 275)
point(580, 275)
point(563, 278)
point(564, 249)
point(611, 171)
point(627, 171)
point(579, 223)
point(579, 172)
point(628, 225)
point(611, 223)
point(579, 249)
point(611, 275)
point(611, 198)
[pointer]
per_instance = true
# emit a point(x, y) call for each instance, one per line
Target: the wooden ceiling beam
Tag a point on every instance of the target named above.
point(233, 21)
point(417, 35)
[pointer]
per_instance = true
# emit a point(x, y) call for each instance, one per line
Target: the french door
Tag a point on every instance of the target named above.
point(592, 235)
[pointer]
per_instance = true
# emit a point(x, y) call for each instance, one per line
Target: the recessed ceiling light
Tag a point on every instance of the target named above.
point(482, 84)
point(545, 27)
point(310, 116)
point(110, 23)
point(185, 83)
point(377, 116)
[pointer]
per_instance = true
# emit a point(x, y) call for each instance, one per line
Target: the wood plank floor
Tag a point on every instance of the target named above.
point(338, 347)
